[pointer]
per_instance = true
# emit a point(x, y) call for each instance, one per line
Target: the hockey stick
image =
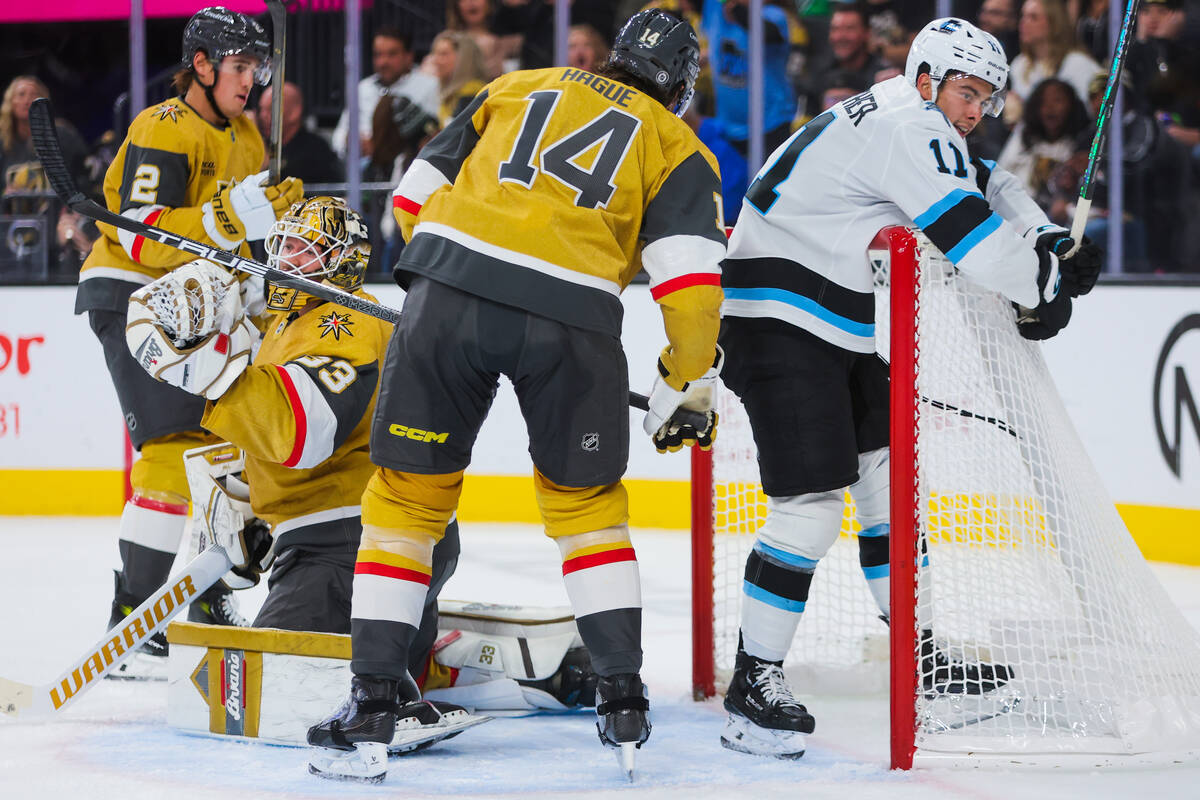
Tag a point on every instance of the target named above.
point(49, 151)
point(1084, 206)
point(278, 52)
point(117, 645)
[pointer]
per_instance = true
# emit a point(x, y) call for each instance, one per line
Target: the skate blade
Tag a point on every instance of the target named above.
point(410, 740)
point(627, 758)
point(366, 763)
point(743, 736)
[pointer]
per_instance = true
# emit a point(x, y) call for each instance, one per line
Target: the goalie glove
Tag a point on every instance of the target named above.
point(188, 329)
point(247, 209)
point(669, 434)
point(221, 512)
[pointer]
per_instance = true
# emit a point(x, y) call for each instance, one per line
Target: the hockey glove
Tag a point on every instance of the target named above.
point(1046, 320)
point(247, 209)
point(1081, 270)
point(669, 434)
point(1048, 247)
point(191, 332)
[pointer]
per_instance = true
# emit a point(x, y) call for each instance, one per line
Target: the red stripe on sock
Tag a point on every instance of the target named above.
point(178, 509)
point(683, 282)
point(138, 241)
point(388, 571)
point(298, 413)
point(598, 559)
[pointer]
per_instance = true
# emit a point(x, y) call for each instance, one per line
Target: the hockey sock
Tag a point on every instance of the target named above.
point(150, 534)
point(388, 600)
point(604, 586)
point(775, 590)
point(874, 545)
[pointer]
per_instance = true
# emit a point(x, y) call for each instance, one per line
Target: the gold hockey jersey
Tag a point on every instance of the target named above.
point(552, 189)
point(170, 164)
point(302, 413)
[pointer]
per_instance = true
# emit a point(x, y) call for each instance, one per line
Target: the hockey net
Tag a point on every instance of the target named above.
point(1004, 544)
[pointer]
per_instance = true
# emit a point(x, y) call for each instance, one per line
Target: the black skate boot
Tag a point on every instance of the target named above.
point(217, 606)
point(148, 662)
point(941, 674)
point(382, 717)
point(623, 716)
point(574, 684)
point(764, 717)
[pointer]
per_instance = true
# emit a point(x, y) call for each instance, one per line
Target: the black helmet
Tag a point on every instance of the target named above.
point(220, 32)
point(661, 50)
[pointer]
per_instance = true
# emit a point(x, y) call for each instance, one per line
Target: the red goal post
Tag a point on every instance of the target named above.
point(997, 504)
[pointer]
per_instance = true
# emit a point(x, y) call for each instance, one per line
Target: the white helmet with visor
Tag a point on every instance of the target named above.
point(953, 45)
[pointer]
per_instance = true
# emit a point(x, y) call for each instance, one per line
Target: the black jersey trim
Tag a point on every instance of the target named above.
point(790, 276)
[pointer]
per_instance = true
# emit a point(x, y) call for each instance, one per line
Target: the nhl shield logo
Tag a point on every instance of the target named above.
point(590, 442)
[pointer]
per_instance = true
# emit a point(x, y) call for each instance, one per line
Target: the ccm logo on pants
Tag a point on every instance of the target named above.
point(417, 434)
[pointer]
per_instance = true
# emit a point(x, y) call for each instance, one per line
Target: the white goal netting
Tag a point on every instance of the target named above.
point(1028, 563)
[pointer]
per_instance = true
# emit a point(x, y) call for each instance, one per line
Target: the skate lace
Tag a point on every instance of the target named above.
point(231, 613)
point(772, 684)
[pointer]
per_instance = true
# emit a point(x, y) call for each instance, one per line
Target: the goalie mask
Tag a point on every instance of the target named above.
point(322, 239)
point(952, 45)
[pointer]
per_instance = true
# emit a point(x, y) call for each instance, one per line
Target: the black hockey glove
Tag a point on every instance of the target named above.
point(1049, 247)
point(1046, 320)
point(258, 547)
point(1080, 271)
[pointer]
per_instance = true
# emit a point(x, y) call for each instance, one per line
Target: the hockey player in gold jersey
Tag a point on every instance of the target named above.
point(526, 218)
point(187, 165)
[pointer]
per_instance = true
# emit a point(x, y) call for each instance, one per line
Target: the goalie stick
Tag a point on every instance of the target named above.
point(1084, 206)
point(49, 151)
point(117, 645)
point(278, 53)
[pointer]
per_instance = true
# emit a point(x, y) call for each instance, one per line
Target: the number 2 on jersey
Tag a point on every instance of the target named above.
point(613, 130)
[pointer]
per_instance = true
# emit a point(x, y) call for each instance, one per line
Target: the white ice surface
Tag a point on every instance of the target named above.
point(113, 744)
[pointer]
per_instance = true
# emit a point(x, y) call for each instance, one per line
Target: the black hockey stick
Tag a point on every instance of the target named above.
point(278, 53)
point(49, 151)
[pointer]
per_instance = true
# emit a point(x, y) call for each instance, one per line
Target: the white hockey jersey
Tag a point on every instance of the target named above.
point(884, 157)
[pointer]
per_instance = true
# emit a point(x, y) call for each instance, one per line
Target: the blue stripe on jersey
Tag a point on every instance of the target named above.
point(931, 214)
point(803, 303)
point(763, 596)
point(784, 556)
point(977, 235)
point(882, 571)
point(882, 529)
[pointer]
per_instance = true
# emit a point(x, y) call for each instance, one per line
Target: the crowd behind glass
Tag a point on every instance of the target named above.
point(816, 53)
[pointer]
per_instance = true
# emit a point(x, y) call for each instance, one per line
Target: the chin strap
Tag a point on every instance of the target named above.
point(208, 93)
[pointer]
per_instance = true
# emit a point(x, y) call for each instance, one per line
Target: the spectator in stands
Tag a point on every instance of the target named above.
point(399, 129)
point(893, 24)
point(535, 19)
point(305, 154)
point(473, 17)
point(458, 66)
point(392, 59)
point(1048, 50)
point(20, 170)
point(586, 48)
point(999, 18)
point(1173, 86)
point(1046, 137)
point(841, 85)
point(726, 26)
point(849, 51)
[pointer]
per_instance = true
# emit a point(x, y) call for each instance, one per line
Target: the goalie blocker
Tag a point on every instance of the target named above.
point(271, 685)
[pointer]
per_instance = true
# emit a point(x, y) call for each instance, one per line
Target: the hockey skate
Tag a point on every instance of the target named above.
point(149, 662)
point(217, 606)
point(765, 719)
point(623, 716)
point(381, 718)
point(573, 685)
point(941, 674)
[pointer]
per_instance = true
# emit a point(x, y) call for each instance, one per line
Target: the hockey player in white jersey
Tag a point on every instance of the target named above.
point(798, 326)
